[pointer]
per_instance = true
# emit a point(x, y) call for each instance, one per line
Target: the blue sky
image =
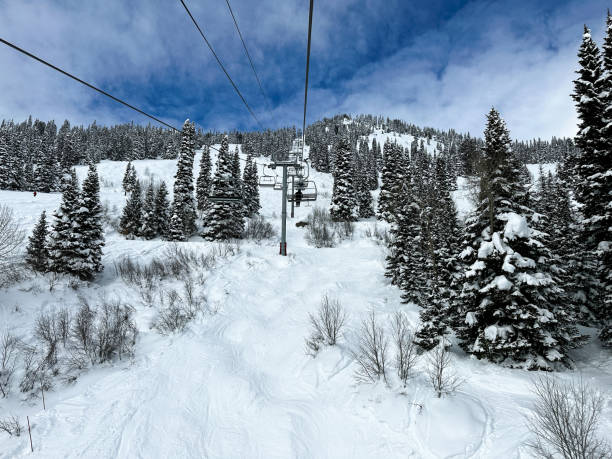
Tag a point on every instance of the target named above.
point(435, 63)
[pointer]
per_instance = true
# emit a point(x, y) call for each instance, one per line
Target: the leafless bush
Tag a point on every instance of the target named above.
point(115, 332)
point(53, 279)
point(82, 347)
point(11, 426)
point(176, 263)
point(63, 322)
point(379, 235)
point(257, 228)
point(178, 311)
point(11, 237)
point(440, 371)
point(564, 420)
point(35, 370)
point(406, 349)
point(327, 324)
point(8, 361)
point(47, 331)
point(321, 231)
point(371, 355)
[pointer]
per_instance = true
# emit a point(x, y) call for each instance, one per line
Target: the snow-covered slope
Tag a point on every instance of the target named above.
point(238, 383)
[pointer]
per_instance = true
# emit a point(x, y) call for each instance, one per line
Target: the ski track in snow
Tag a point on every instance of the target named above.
point(237, 383)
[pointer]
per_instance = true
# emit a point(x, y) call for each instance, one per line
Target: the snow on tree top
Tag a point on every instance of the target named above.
point(516, 226)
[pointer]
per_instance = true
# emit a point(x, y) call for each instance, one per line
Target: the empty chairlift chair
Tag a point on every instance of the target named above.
point(267, 180)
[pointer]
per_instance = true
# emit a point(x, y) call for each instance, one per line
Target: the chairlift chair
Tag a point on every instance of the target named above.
point(221, 196)
point(309, 192)
point(266, 179)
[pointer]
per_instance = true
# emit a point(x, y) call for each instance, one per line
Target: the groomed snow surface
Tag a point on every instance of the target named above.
point(237, 382)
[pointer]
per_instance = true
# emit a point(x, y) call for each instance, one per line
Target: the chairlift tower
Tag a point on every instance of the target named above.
point(288, 160)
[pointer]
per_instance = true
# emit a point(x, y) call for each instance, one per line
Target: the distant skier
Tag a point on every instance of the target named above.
point(298, 198)
point(35, 194)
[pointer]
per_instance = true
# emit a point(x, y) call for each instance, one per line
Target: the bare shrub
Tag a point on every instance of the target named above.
point(35, 371)
point(381, 236)
point(327, 324)
point(440, 371)
point(11, 238)
point(564, 420)
point(82, 347)
point(174, 316)
point(8, 361)
point(11, 426)
point(63, 322)
point(115, 332)
point(371, 355)
point(257, 228)
point(406, 349)
point(321, 231)
point(48, 333)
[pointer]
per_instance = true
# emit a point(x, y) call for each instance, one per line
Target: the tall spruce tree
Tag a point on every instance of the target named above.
point(63, 243)
point(362, 186)
point(251, 187)
point(183, 204)
point(224, 219)
point(148, 229)
point(392, 182)
point(131, 219)
point(162, 211)
point(129, 178)
point(592, 178)
point(509, 298)
point(344, 202)
point(204, 180)
point(37, 255)
point(89, 221)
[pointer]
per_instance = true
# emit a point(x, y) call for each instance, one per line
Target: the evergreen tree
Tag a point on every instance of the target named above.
point(37, 255)
point(251, 187)
point(63, 243)
point(508, 306)
point(183, 204)
point(131, 219)
point(176, 228)
point(392, 182)
point(148, 230)
point(204, 180)
point(344, 202)
point(599, 213)
point(362, 188)
point(89, 222)
point(224, 219)
point(129, 178)
point(236, 164)
point(162, 212)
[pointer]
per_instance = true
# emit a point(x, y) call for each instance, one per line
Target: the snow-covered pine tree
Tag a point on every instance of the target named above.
point(224, 219)
point(37, 255)
point(362, 185)
point(148, 229)
point(204, 180)
point(129, 178)
point(183, 204)
point(46, 170)
point(176, 228)
point(372, 167)
point(344, 202)
point(251, 187)
point(89, 222)
point(439, 242)
point(63, 242)
point(131, 219)
point(598, 206)
point(9, 178)
point(162, 211)
point(507, 305)
point(236, 164)
point(392, 182)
